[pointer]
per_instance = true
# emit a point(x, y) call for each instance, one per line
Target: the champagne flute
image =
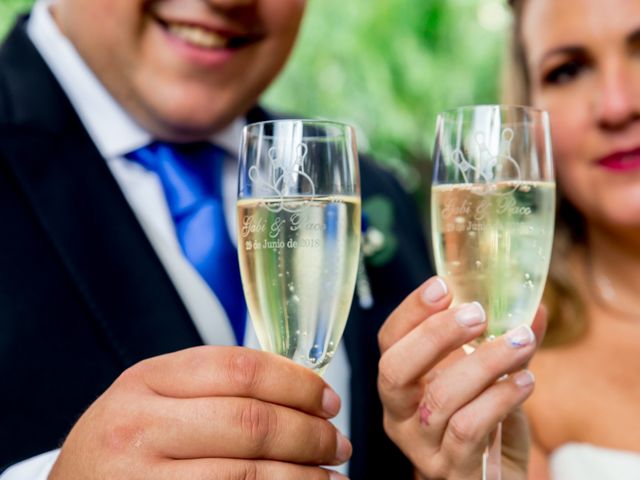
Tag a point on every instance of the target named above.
point(492, 216)
point(299, 234)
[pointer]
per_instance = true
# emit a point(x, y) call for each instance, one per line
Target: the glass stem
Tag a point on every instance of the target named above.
point(492, 456)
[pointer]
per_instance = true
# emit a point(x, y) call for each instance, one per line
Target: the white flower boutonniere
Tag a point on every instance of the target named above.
point(378, 244)
point(372, 241)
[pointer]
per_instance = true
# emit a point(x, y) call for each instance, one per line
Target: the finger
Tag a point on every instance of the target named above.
point(230, 469)
point(468, 432)
point(404, 364)
point(238, 372)
point(468, 378)
point(431, 297)
point(243, 428)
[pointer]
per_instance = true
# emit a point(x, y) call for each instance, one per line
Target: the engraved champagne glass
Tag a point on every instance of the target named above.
point(299, 234)
point(492, 216)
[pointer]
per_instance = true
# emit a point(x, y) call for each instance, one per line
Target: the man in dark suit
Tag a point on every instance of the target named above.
point(102, 314)
point(86, 295)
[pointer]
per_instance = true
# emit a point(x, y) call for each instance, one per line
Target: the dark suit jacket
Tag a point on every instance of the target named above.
point(83, 295)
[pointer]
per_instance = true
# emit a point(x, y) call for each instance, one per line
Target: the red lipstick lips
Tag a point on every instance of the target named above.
point(621, 161)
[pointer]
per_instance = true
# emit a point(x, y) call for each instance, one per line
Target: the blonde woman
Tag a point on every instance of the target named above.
point(580, 60)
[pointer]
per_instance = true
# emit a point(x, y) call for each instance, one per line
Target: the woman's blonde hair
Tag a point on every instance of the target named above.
point(567, 320)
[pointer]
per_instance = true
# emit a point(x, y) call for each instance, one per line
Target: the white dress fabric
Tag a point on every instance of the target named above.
point(579, 461)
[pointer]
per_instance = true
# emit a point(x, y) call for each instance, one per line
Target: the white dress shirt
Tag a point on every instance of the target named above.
point(116, 134)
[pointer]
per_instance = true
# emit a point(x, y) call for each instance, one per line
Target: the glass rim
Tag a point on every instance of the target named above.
point(493, 106)
point(343, 126)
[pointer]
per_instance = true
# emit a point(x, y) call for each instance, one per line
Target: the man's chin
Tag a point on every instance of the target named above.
point(189, 124)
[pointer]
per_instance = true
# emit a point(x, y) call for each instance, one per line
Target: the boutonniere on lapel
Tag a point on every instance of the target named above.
point(378, 244)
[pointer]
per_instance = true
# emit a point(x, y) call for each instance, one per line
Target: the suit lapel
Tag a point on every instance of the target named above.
point(82, 210)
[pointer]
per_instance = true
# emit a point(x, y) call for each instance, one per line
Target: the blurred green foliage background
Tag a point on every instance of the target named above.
point(8, 11)
point(387, 66)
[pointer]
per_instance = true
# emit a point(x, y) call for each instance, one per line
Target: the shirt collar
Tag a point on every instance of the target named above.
point(111, 128)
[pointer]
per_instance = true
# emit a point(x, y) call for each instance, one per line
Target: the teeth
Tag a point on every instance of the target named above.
point(198, 36)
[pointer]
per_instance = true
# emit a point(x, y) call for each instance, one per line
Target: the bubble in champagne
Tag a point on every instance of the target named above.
point(315, 353)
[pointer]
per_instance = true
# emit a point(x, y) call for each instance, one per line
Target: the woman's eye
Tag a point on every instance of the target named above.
point(564, 73)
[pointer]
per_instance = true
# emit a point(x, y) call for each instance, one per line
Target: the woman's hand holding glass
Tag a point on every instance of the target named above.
point(492, 217)
point(441, 406)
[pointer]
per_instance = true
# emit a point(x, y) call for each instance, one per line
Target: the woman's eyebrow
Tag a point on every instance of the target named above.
point(576, 50)
point(566, 50)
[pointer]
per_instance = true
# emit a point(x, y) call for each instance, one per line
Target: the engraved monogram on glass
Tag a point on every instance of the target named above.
point(487, 165)
point(284, 175)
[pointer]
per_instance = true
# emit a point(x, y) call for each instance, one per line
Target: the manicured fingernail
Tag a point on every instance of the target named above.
point(520, 336)
point(470, 314)
point(523, 378)
point(337, 476)
point(435, 291)
point(343, 450)
point(330, 402)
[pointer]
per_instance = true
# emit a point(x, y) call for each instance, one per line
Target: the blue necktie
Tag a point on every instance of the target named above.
point(191, 177)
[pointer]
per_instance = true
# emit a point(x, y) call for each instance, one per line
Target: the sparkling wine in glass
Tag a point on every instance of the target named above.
point(492, 215)
point(299, 234)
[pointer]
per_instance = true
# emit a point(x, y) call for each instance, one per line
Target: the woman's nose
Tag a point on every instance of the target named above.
point(617, 104)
